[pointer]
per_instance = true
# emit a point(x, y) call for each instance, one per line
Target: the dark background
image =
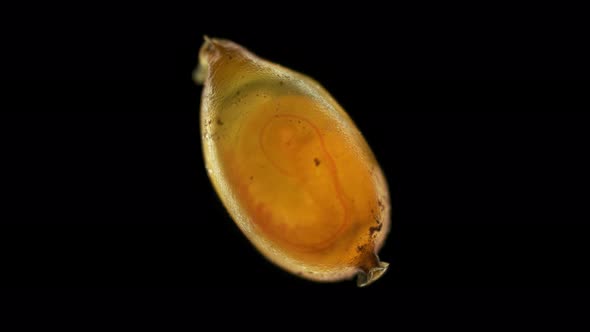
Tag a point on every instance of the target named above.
point(104, 185)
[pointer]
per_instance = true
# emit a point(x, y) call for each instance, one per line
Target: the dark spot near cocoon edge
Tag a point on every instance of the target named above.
point(374, 229)
point(316, 161)
point(361, 248)
point(219, 122)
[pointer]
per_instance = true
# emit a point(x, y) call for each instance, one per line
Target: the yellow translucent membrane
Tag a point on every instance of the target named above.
point(290, 166)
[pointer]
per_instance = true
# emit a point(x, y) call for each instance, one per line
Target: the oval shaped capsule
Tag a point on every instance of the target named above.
point(290, 166)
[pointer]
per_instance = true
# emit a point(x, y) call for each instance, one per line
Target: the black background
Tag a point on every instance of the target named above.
point(104, 185)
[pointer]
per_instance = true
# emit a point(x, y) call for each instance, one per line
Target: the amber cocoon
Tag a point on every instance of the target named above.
point(290, 166)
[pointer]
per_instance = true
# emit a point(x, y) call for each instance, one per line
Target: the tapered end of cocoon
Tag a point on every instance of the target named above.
point(365, 278)
point(200, 73)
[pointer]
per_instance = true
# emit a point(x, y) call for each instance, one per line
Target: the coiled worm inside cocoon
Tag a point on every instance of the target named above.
point(291, 167)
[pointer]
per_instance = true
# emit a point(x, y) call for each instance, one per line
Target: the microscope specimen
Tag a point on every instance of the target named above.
point(291, 167)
